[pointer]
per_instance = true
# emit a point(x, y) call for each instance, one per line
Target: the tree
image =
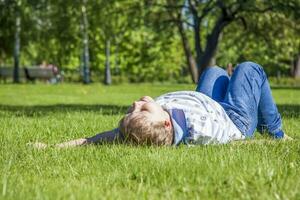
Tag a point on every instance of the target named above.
point(145, 38)
point(15, 29)
point(17, 43)
point(271, 38)
point(107, 80)
point(208, 19)
point(85, 39)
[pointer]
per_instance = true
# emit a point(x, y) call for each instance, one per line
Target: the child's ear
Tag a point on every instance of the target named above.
point(168, 124)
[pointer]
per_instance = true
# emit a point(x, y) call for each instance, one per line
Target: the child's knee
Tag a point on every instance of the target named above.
point(214, 71)
point(217, 69)
point(249, 67)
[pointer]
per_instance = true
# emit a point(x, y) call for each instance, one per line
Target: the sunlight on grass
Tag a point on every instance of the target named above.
point(262, 169)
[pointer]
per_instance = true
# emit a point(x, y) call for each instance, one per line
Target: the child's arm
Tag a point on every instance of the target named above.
point(104, 137)
point(72, 143)
point(286, 137)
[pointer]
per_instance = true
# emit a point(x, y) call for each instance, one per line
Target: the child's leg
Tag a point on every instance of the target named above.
point(248, 96)
point(268, 115)
point(213, 82)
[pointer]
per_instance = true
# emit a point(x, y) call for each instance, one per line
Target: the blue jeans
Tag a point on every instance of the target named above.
point(246, 97)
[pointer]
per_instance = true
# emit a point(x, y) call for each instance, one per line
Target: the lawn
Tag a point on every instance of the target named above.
point(55, 113)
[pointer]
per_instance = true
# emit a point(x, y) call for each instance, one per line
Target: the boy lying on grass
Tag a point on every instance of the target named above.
point(221, 110)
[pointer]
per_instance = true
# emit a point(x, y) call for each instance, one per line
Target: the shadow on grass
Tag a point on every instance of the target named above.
point(285, 88)
point(289, 110)
point(40, 110)
point(286, 110)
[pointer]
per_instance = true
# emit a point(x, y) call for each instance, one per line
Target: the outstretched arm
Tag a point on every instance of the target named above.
point(104, 137)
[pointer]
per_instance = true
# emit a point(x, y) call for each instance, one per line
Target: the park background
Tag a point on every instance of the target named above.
point(110, 53)
point(138, 41)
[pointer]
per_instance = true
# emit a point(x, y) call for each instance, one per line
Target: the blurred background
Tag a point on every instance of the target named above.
point(117, 41)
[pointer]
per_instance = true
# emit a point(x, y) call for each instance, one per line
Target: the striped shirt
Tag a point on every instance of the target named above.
point(205, 120)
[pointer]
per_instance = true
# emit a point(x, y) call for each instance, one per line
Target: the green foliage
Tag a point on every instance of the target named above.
point(145, 45)
point(258, 169)
point(284, 82)
point(148, 58)
point(273, 45)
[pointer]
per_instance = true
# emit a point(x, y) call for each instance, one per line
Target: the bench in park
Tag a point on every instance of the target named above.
point(28, 73)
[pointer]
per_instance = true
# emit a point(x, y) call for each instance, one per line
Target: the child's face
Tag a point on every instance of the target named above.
point(136, 105)
point(146, 105)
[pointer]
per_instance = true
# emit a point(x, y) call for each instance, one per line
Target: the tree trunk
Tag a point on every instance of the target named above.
point(296, 73)
point(117, 66)
point(207, 58)
point(188, 54)
point(107, 63)
point(197, 41)
point(16, 77)
point(86, 56)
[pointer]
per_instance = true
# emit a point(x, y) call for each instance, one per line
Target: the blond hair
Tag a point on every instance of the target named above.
point(140, 130)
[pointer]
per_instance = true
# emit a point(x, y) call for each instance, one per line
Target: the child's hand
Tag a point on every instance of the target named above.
point(37, 145)
point(286, 137)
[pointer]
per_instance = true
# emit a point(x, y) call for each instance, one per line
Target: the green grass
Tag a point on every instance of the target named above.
point(55, 113)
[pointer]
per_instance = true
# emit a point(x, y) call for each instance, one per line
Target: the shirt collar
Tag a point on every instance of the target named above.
point(179, 126)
